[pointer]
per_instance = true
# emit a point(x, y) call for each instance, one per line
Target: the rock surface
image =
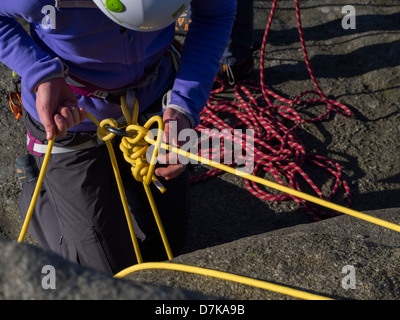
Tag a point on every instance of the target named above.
point(312, 258)
point(230, 229)
point(24, 275)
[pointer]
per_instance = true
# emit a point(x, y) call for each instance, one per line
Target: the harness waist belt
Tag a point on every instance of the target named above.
point(39, 148)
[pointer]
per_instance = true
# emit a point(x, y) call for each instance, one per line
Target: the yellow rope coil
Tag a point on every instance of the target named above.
point(135, 149)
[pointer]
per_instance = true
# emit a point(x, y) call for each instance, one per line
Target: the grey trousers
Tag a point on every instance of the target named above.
point(79, 214)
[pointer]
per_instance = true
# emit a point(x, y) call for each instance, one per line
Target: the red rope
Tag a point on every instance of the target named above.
point(277, 151)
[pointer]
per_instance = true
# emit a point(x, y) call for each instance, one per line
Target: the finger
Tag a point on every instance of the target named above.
point(82, 113)
point(170, 132)
point(167, 157)
point(170, 172)
point(61, 125)
point(74, 112)
point(66, 114)
point(162, 157)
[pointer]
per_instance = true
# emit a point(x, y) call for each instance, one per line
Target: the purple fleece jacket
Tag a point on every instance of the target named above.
point(93, 49)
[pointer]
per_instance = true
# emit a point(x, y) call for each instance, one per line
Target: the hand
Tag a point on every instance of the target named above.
point(57, 107)
point(174, 122)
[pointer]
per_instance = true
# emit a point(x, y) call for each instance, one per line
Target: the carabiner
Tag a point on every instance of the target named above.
point(117, 131)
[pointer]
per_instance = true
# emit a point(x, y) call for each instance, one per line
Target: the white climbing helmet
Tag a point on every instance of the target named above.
point(143, 15)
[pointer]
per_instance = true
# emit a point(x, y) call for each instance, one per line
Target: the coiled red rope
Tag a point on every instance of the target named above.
point(277, 151)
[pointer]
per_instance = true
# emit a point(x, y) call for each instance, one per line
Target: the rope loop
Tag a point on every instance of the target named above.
point(134, 150)
point(103, 133)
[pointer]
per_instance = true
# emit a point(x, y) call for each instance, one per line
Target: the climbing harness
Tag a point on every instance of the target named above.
point(37, 147)
point(135, 144)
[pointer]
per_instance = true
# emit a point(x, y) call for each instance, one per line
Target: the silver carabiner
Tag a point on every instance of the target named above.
point(117, 131)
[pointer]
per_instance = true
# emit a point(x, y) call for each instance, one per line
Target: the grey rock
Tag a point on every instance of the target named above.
point(312, 258)
point(23, 276)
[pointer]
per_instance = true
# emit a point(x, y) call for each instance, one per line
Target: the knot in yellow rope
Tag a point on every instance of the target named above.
point(135, 144)
point(134, 149)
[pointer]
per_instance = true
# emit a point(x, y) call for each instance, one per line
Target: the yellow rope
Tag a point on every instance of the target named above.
point(222, 275)
point(134, 152)
point(158, 220)
point(107, 136)
point(36, 192)
point(287, 190)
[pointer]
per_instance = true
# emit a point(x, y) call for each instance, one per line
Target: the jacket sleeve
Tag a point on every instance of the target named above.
point(19, 52)
point(204, 45)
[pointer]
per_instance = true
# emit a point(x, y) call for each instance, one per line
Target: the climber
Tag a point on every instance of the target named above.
point(81, 56)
